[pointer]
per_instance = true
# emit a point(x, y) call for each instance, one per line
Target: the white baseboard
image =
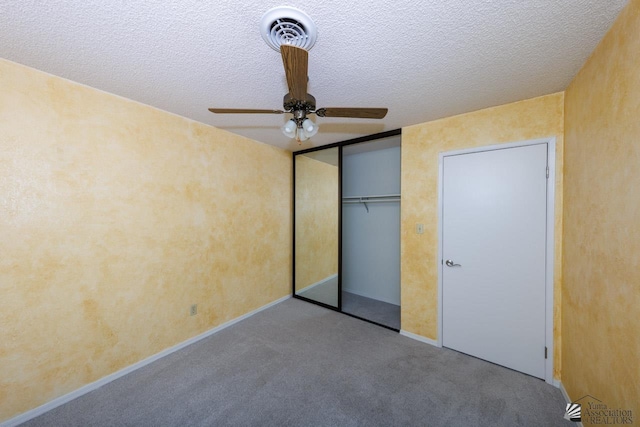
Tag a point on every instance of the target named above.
point(420, 338)
point(321, 282)
point(564, 392)
point(566, 397)
point(33, 413)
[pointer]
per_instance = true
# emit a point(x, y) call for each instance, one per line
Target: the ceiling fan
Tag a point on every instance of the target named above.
point(300, 103)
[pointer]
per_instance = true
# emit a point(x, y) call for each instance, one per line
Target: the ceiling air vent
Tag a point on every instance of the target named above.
point(288, 25)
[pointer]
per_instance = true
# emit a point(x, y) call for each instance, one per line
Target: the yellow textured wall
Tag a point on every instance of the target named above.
point(115, 217)
point(421, 144)
point(316, 221)
point(601, 296)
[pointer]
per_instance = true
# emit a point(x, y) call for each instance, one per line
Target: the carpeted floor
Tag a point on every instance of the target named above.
point(371, 309)
point(297, 364)
point(367, 308)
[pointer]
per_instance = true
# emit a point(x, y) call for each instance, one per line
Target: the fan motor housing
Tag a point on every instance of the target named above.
point(290, 104)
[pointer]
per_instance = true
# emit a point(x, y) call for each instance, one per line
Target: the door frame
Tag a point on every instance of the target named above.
point(550, 233)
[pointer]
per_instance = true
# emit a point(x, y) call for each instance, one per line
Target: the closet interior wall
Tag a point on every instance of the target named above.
point(371, 233)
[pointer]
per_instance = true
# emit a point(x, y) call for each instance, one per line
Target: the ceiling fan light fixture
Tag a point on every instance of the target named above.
point(309, 127)
point(289, 128)
point(300, 129)
point(291, 32)
point(288, 25)
point(301, 135)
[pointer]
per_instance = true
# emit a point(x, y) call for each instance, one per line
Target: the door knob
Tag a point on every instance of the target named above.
point(451, 263)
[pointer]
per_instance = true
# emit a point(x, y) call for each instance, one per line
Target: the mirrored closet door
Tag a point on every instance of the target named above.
point(347, 227)
point(316, 241)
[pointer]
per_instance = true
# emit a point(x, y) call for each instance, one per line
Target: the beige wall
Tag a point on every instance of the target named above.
point(316, 220)
point(601, 296)
point(530, 119)
point(115, 217)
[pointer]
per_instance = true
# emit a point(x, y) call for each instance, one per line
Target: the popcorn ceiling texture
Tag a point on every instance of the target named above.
point(601, 296)
point(423, 59)
point(116, 217)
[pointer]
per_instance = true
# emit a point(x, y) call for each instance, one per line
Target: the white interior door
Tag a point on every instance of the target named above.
point(494, 227)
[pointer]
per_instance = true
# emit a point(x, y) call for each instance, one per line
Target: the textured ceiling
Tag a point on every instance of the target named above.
point(423, 59)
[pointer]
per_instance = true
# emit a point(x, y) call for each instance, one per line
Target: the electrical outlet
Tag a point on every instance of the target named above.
point(193, 310)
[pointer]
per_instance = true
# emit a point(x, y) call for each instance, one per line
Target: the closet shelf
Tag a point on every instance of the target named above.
point(381, 198)
point(385, 198)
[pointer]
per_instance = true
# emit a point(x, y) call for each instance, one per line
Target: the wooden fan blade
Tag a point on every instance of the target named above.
point(243, 111)
point(358, 113)
point(296, 63)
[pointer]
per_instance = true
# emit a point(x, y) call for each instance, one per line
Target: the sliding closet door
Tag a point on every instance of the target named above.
point(316, 218)
point(340, 238)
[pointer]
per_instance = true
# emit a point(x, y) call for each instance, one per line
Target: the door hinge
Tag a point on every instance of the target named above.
point(545, 352)
point(547, 172)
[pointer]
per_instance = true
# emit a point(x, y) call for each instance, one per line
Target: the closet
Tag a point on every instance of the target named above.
point(347, 227)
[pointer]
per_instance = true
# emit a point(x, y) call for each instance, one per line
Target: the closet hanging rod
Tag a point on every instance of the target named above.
point(371, 201)
point(368, 198)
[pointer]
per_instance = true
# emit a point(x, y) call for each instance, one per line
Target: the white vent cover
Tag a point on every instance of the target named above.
point(288, 25)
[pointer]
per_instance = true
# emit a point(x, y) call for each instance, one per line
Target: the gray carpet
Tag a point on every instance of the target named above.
point(297, 364)
point(367, 308)
point(371, 309)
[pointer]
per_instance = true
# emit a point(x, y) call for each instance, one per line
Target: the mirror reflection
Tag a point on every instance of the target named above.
point(316, 225)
